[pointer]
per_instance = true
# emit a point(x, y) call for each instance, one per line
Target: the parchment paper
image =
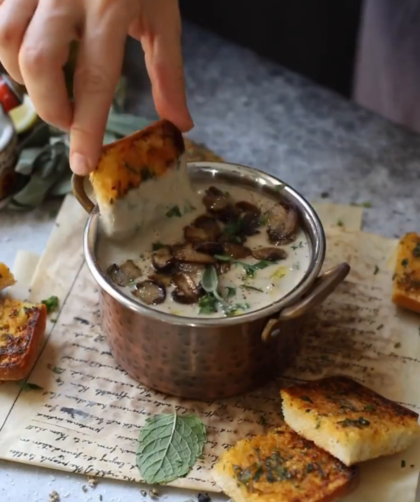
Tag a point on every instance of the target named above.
point(87, 418)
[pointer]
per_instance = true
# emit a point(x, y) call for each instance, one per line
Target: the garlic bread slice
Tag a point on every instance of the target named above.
point(141, 178)
point(348, 420)
point(281, 466)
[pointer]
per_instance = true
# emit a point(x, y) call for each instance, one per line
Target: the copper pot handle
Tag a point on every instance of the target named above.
point(324, 285)
point(78, 188)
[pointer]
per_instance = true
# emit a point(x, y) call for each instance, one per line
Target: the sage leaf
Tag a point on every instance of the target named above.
point(168, 447)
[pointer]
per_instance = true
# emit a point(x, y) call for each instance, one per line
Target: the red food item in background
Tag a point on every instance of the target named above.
point(9, 97)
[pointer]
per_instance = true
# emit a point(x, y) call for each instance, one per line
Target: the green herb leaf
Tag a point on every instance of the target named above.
point(51, 303)
point(157, 245)
point(230, 291)
point(210, 280)
point(252, 288)
point(208, 304)
point(174, 211)
point(169, 446)
point(29, 386)
point(250, 269)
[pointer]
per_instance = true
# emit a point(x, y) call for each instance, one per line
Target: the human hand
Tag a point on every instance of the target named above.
point(35, 36)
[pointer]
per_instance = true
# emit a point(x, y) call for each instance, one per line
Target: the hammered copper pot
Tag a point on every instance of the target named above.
point(204, 358)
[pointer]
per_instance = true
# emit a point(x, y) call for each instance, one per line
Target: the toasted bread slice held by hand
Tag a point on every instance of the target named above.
point(22, 325)
point(406, 282)
point(348, 420)
point(280, 466)
point(6, 277)
point(140, 178)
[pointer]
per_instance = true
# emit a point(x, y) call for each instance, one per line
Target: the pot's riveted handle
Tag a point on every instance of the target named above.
point(322, 288)
point(78, 187)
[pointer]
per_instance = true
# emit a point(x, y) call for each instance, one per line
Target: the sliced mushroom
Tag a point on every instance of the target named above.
point(228, 214)
point(236, 251)
point(163, 260)
point(209, 247)
point(269, 254)
point(166, 280)
point(194, 234)
point(215, 200)
point(186, 291)
point(150, 292)
point(282, 223)
point(222, 267)
point(209, 225)
point(246, 207)
point(187, 253)
point(250, 223)
point(125, 273)
point(194, 270)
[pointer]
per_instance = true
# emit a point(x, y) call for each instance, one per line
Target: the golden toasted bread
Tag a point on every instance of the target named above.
point(21, 328)
point(406, 282)
point(348, 420)
point(6, 277)
point(141, 177)
point(280, 466)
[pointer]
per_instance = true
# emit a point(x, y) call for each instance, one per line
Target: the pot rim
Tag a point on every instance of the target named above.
point(313, 228)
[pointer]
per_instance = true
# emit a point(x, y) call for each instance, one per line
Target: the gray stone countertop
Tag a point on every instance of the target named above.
point(253, 112)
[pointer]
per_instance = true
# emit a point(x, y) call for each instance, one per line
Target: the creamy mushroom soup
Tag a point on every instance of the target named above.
point(236, 253)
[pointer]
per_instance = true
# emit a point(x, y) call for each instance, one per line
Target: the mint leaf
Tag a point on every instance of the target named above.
point(169, 446)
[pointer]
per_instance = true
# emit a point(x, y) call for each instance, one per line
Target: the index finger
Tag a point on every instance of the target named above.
point(98, 69)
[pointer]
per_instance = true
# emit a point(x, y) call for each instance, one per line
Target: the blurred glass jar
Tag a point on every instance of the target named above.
point(11, 97)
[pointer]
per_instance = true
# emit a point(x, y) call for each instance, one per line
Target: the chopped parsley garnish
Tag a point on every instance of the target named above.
point(131, 169)
point(367, 204)
point(146, 173)
point(359, 423)
point(208, 304)
point(174, 211)
point(157, 245)
point(376, 270)
point(264, 219)
point(403, 464)
point(51, 303)
point(306, 398)
point(252, 288)
point(369, 407)
point(230, 291)
point(298, 246)
point(340, 223)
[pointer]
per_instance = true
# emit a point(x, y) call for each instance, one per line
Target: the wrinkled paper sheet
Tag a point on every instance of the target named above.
point(87, 417)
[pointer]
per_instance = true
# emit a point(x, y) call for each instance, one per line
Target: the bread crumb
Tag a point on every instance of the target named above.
point(92, 482)
point(54, 497)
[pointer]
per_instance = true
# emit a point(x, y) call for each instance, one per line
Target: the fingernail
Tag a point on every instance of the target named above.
point(79, 164)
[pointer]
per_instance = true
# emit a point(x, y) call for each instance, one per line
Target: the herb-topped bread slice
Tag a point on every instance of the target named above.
point(22, 325)
point(280, 466)
point(406, 282)
point(6, 277)
point(140, 178)
point(348, 420)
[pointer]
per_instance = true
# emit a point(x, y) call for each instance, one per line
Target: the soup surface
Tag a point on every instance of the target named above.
point(236, 252)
